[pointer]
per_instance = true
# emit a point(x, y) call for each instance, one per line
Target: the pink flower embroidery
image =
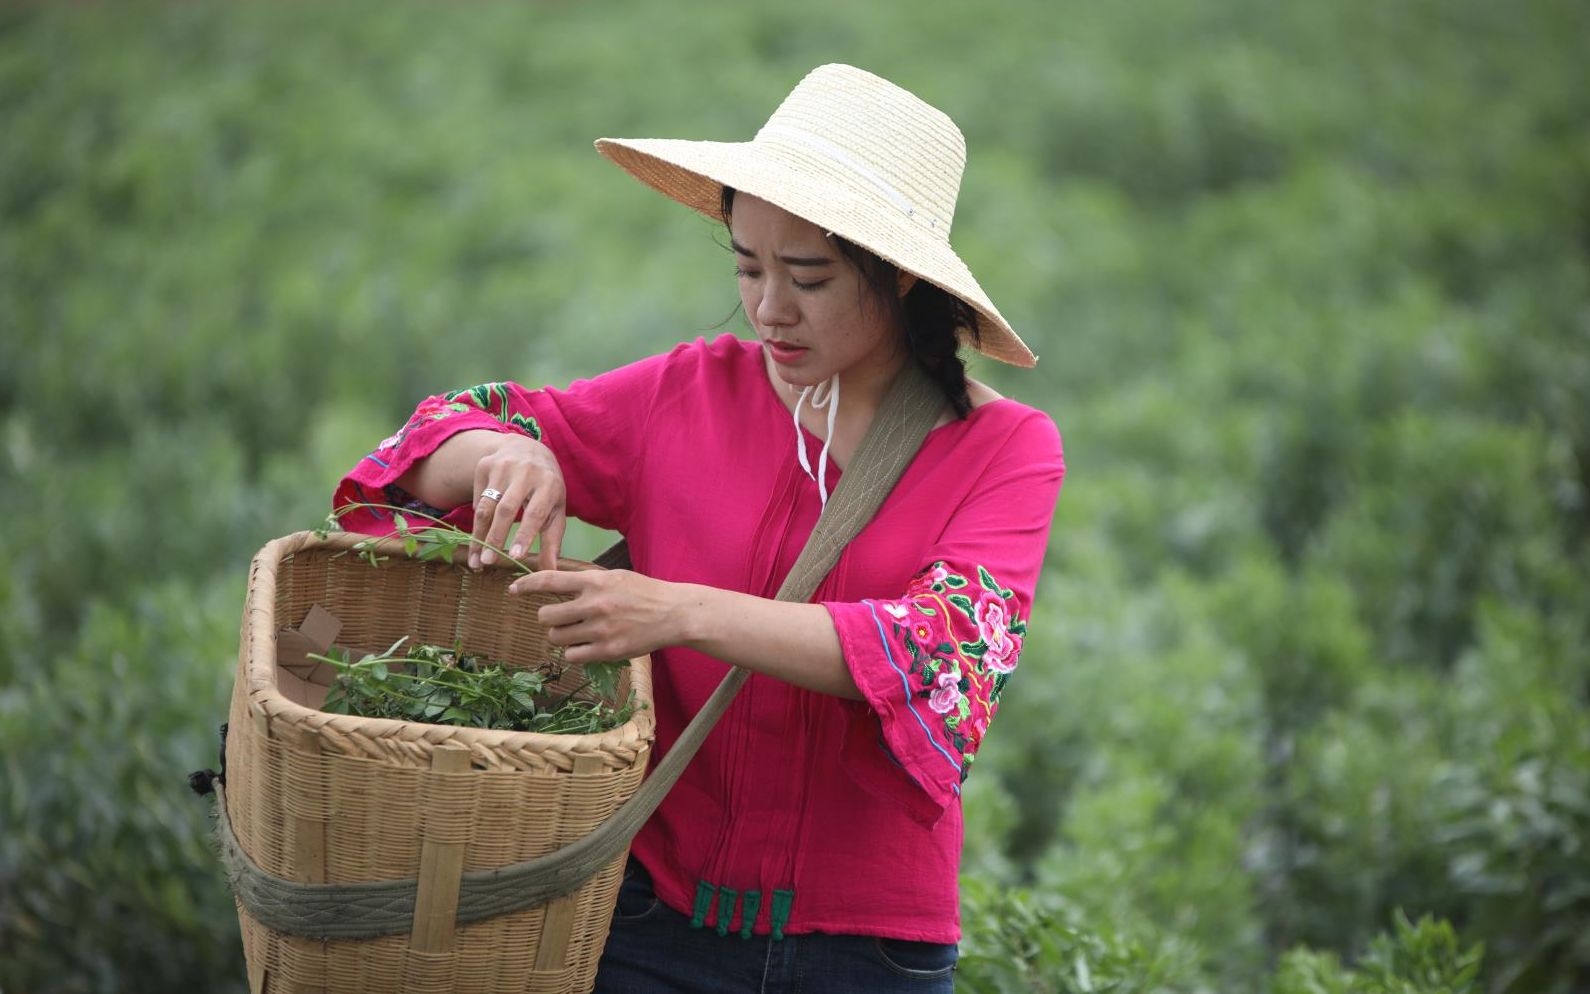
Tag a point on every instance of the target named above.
point(955, 640)
point(993, 627)
point(947, 696)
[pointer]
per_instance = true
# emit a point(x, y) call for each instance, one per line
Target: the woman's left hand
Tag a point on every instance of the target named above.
point(613, 614)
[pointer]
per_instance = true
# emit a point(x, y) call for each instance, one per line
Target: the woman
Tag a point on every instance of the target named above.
point(814, 841)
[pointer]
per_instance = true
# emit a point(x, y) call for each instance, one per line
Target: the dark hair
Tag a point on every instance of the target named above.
point(929, 314)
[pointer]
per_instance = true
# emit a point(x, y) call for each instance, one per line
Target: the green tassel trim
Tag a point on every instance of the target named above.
point(753, 904)
point(783, 900)
point(728, 900)
point(705, 892)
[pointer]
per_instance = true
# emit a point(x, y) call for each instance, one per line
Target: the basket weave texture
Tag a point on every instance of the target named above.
point(316, 797)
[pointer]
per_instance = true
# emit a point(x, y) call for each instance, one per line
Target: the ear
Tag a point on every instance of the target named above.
point(904, 281)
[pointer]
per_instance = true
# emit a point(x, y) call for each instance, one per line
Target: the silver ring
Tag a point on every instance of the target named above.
point(491, 494)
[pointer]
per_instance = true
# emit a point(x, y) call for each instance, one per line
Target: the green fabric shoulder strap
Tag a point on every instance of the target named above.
point(386, 907)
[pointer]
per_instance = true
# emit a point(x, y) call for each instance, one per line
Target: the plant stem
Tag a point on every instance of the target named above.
point(454, 529)
point(413, 677)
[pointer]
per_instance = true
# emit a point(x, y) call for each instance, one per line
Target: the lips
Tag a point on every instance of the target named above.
point(785, 351)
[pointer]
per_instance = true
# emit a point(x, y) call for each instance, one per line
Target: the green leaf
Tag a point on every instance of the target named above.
point(604, 677)
point(529, 681)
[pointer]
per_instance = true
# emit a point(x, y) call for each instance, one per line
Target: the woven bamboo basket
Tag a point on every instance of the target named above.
point(316, 797)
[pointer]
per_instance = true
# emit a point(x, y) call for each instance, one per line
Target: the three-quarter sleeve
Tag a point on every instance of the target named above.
point(933, 662)
point(596, 429)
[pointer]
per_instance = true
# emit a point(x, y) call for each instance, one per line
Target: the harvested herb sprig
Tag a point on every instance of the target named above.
point(436, 539)
point(442, 686)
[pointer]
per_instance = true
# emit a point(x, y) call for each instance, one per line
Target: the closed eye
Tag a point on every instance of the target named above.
point(748, 274)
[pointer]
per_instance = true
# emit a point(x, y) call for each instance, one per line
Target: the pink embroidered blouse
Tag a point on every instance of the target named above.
point(802, 812)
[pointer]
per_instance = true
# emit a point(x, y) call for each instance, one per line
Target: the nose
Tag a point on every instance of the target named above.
point(776, 309)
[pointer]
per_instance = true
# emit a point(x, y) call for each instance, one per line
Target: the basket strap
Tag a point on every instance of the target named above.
point(386, 907)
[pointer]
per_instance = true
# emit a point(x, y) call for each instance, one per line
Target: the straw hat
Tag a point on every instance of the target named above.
point(853, 154)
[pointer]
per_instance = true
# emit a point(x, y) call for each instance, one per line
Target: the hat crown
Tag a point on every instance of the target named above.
point(855, 155)
point(892, 144)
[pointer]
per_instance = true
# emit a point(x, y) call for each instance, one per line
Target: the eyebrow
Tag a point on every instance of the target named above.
point(788, 260)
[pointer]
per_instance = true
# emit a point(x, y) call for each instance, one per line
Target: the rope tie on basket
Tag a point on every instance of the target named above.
point(369, 909)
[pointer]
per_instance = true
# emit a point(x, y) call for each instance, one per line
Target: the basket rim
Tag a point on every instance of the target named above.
point(260, 668)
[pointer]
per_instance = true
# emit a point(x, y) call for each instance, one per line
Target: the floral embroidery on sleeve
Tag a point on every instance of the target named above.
point(960, 645)
point(492, 398)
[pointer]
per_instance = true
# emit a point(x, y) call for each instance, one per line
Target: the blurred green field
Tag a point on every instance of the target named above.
point(1311, 287)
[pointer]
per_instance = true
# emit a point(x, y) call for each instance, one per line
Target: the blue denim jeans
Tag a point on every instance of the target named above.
point(652, 949)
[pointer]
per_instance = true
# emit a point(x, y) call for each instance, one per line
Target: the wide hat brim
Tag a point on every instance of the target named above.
point(824, 192)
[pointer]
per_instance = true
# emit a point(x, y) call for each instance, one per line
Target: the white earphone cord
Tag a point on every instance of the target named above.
point(825, 394)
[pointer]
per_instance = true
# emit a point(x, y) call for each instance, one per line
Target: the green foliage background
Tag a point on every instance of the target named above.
point(1311, 284)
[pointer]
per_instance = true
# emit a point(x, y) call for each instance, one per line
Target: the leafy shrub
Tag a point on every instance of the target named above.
point(1309, 284)
point(109, 881)
point(1423, 957)
point(1020, 941)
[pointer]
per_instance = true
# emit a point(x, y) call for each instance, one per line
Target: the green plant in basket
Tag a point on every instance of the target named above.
point(443, 686)
point(450, 686)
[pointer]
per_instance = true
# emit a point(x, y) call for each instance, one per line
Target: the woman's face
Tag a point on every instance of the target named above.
point(809, 305)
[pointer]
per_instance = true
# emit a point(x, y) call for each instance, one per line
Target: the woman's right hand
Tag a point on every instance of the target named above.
point(520, 469)
point(527, 475)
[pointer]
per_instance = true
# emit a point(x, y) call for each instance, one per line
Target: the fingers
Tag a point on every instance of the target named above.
point(588, 620)
point(586, 641)
point(588, 652)
point(485, 511)
point(514, 491)
point(494, 513)
point(552, 540)
point(579, 633)
point(569, 623)
point(544, 504)
point(528, 488)
point(556, 582)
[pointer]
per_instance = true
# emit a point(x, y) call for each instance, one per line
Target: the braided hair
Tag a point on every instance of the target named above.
point(930, 315)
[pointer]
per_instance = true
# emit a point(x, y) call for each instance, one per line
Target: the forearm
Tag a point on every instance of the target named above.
point(446, 477)
point(795, 643)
